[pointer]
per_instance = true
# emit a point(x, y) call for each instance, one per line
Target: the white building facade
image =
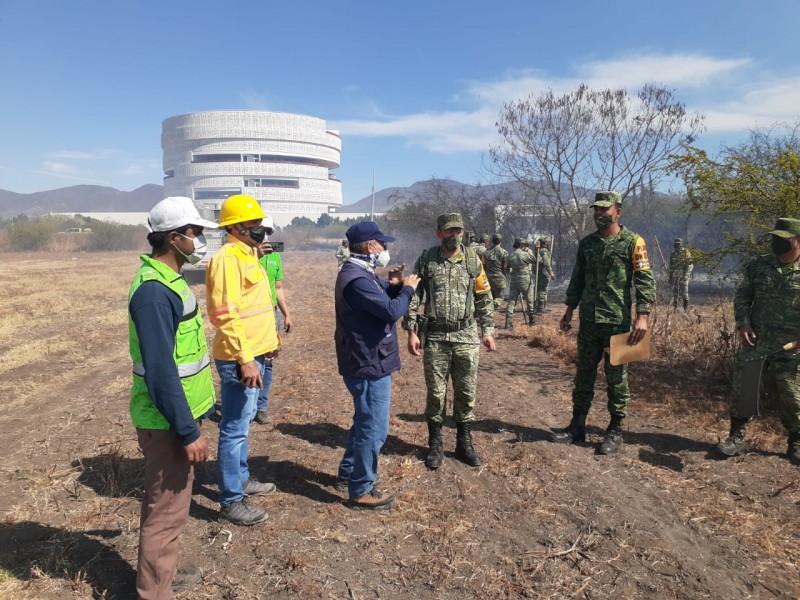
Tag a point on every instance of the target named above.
point(282, 160)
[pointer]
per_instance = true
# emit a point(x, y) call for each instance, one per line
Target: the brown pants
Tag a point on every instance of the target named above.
point(168, 480)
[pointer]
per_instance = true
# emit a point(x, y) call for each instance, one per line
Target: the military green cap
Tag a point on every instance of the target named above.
point(606, 199)
point(518, 241)
point(678, 241)
point(485, 237)
point(786, 228)
point(497, 238)
point(449, 221)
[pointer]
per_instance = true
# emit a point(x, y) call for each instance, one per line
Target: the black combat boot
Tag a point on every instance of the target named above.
point(574, 433)
point(735, 443)
point(793, 452)
point(532, 318)
point(464, 449)
point(435, 450)
point(539, 308)
point(613, 440)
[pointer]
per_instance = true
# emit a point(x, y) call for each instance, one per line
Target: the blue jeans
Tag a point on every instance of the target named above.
point(371, 399)
point(238, 409)
point(263, 397)
point(263, 394)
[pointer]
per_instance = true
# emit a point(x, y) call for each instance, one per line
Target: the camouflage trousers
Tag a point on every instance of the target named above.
point(593, 339)
point(498, 285)
point(518, 288)
point(680, 291)
point(781, 379)
point(541, 289)
point(459, 361)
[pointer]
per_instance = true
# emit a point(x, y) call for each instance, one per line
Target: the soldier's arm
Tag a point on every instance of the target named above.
point(744, 296)
point(577, 280)
point(644, 283)
point(410, 318)
point(484, 305)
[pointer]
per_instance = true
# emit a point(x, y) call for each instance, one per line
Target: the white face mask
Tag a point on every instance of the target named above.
point(383, 258)
point(199, 251)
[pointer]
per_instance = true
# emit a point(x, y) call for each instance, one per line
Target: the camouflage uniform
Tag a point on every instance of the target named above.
point(601, 284)
point(495, 261)
point(545, 273)
point(520, 262)
point(453, 352)
point(680, 269)
point(342, 253)
point(768, 300)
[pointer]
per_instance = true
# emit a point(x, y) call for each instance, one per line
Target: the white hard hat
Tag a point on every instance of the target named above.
point(268, 222)
point(176, 212)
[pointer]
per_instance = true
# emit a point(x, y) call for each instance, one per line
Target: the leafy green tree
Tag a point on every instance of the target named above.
point(745, 187)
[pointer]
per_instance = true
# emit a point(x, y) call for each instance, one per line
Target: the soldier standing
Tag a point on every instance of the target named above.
point(544, 274)
point(342, 252)
point(520, 262)
point(680, 268)
point(608, 262)
point(767, 311)
point(457, 300)
point(495, 261)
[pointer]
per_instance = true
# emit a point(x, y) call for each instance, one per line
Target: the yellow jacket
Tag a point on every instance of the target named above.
point(240, 305)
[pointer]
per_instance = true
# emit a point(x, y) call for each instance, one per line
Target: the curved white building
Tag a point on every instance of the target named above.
point(281, 159)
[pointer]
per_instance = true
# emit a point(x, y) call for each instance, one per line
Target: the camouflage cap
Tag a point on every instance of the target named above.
point(606, 199)
point(497, 238)
point(485, 237)
point(678, 241)
point(518, 241)
point(449, 221)
point(786, 228)
point(544, 240)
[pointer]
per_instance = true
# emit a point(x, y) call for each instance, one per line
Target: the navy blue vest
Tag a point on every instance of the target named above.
point(366, 347)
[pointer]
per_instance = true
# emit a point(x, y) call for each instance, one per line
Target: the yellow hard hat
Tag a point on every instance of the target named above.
point(238, 209)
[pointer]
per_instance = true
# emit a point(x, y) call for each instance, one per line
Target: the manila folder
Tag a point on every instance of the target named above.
point(622, 353)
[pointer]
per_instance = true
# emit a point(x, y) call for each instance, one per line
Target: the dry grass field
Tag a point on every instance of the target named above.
point(664, 519)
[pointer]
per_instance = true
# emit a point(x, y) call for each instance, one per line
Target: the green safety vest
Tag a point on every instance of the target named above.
point(190, 353)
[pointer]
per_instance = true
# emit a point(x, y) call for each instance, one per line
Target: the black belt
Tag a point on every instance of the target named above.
point(447, 326)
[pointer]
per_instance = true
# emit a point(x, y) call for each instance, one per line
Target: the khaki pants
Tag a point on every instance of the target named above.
point(168, 480)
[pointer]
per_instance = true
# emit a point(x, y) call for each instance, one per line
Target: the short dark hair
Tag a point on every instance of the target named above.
point(359, 247)
point(158, 239)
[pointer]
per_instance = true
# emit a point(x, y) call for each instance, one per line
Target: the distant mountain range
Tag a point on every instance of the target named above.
point(95, 198)
point(80, 198)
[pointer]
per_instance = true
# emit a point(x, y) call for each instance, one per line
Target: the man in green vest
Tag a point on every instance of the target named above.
point(172, 389)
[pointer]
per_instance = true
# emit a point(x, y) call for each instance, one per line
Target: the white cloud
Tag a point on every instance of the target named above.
point(76, 155)
point(82, 179)
point(680, 70)
point(56, 168)
point(709, 80)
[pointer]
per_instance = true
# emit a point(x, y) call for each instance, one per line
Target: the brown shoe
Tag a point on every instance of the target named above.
point(372, 500)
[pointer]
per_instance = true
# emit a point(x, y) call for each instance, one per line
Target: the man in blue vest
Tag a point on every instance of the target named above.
point(172, 388)
point(367, 310)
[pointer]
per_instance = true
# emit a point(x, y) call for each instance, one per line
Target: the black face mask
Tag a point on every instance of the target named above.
point(780, 245)
point(257, 233)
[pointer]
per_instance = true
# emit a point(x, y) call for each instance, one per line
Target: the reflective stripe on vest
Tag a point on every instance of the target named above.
point(184, 369)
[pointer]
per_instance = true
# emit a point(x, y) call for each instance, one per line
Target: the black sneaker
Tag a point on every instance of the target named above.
point(242, 513)
point(252, 487)
point(262, 417)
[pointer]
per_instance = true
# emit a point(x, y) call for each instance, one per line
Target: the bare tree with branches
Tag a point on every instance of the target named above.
point(561, 148)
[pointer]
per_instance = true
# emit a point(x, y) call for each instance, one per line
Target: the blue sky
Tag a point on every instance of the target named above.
point(414, 87)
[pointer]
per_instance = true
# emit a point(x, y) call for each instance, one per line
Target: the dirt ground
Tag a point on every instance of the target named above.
point(663, 519)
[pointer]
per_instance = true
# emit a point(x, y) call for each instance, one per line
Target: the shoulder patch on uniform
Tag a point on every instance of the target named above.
point(482, 283)
point(639, 259)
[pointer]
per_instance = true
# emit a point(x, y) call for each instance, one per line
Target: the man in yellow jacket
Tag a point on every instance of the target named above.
point(241, 307)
